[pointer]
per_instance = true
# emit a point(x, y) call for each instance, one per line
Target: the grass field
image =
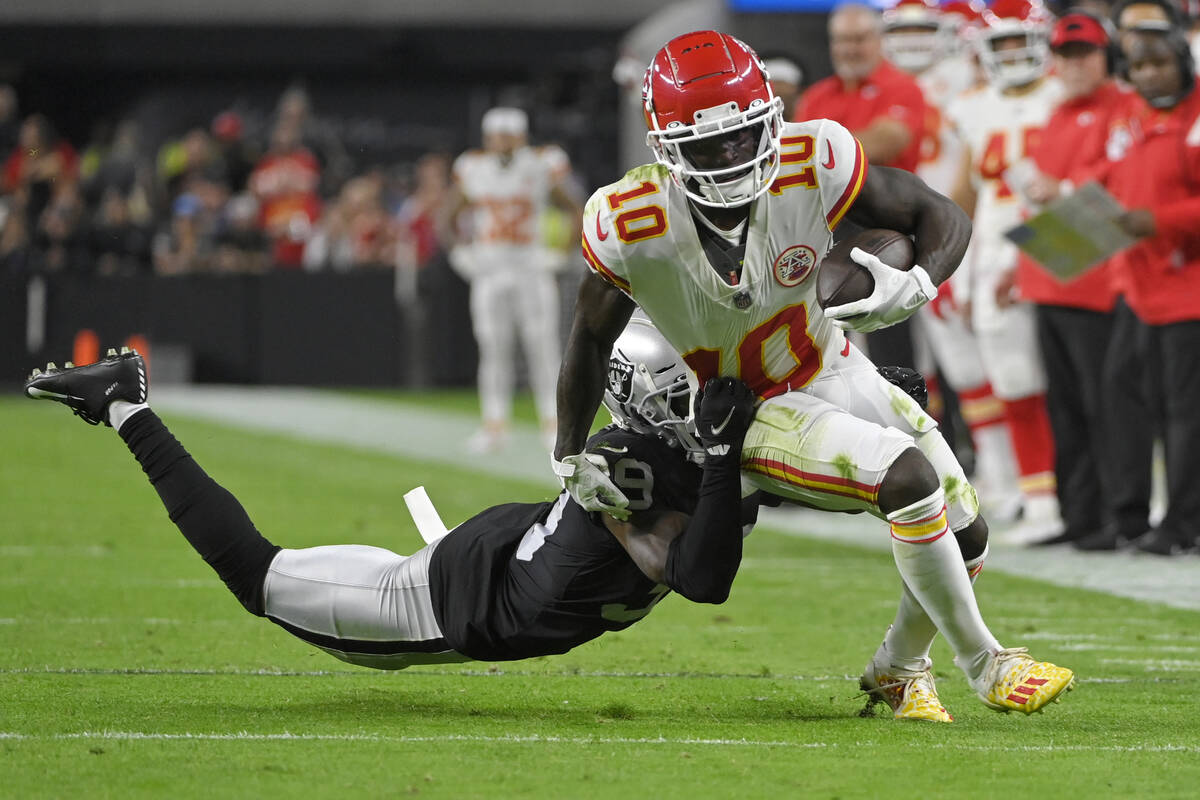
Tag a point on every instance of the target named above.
point(127, 670)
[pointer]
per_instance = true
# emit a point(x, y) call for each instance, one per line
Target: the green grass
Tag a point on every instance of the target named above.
point(127, 670)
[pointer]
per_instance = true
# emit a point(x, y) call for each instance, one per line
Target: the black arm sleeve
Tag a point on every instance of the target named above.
point(703, 560)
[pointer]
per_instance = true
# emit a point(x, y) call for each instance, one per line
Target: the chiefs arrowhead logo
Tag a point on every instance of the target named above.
point(794, 265)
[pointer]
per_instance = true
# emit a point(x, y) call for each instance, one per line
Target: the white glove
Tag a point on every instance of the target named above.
point(585, 477)
point(897, 295)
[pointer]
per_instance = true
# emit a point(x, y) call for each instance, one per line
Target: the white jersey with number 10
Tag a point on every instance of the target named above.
point(639, 235)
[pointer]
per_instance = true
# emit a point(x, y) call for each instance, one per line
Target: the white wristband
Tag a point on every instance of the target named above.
point(561, 469)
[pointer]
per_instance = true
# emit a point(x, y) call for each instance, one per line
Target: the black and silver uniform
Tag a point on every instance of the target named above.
point(533, 579)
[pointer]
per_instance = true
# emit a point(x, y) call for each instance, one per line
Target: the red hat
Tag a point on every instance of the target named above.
point(227, 125)
point(1078, 28)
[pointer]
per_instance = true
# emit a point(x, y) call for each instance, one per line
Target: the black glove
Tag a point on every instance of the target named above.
point(725, 408)
point(911, 381)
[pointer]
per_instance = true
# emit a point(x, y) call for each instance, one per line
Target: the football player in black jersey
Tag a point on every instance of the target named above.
point(514, 581)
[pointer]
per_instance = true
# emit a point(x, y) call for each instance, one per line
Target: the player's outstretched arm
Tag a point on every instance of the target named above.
point(895, 199)
point(601, 312)
point(698, 555)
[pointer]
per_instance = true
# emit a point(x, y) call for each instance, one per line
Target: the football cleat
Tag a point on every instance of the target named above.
point(911, 695)
point(88, 390)
point(1013, 681)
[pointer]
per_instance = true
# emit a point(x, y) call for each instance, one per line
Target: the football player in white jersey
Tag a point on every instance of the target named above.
point(717, 242)
point(925, 40)
point(501, 195)
point(1000, 123)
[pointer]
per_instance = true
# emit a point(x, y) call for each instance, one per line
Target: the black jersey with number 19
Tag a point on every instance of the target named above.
point(532, 579)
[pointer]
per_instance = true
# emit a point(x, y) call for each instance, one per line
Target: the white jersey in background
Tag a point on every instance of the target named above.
point(1000, 129)
point(941, 147)
point(510, 267)
point(508, 200)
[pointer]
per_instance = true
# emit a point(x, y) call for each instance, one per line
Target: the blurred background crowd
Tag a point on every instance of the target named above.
point(185, 147)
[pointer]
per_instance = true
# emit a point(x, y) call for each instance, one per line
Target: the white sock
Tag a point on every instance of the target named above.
point(932, 568)
point(121, 410)
point(909, 637)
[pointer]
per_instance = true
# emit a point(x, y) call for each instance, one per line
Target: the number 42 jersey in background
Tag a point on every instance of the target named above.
point(640, 235)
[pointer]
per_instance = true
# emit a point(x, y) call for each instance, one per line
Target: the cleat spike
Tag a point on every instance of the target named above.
point(68, 365)
point(112, 351)
point(36, 372)
point(50, 366)
point(125, 350)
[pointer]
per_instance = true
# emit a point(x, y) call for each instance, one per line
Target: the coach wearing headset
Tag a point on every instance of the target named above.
point(1158, 180)
point(1075, 318)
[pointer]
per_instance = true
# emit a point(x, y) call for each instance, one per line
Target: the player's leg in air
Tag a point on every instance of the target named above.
point(853, 441)
point(364, 605)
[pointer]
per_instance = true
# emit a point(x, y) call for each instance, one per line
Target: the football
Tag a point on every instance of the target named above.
point(841, 280)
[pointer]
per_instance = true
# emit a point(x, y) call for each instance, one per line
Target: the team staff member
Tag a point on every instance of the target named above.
point(1075, 318)
point(885, 110)
point(1158, 179)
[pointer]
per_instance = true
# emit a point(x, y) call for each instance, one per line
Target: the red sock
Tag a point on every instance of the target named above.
point(1033, 442)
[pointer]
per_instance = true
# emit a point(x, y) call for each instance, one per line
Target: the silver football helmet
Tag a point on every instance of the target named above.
point(650, 388)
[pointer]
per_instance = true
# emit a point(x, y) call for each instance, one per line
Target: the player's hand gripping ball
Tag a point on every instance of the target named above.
point(869, 281)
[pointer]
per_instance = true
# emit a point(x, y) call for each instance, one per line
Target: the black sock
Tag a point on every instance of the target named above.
point(208, 516)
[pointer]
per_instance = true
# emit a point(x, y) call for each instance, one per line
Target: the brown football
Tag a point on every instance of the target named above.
point(841, 280)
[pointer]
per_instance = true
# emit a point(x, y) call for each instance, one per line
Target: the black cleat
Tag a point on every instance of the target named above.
point(89, 389)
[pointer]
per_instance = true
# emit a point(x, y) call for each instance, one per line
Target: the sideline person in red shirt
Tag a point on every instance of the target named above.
point(885, 110)
point(1158, 180)
point(1075, 317)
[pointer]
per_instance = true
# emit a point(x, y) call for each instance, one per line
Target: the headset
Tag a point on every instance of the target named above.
point(1177, 40)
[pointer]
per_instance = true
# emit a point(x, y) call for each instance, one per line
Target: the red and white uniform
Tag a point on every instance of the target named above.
point(830, 426)
point(513, 289)
point(1081, 133)
point(941, 148)
point(1000, 129)
point(1160, 276)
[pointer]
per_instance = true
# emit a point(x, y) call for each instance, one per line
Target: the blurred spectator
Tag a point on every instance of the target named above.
point(187, 244)
point(241, 245)
point(422, 214)
point(237, 153)
point(16, 255)
point(335, 166)
point(10, 120)
point(61, 232)
point(119, 240)
point(40, 165)
point(354, 231)
point(285, 184)
point(185, 161)
point(115, 164)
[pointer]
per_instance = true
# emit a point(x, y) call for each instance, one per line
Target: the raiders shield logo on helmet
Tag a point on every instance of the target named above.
point(620, 379)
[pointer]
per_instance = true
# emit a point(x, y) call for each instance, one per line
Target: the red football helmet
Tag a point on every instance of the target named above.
point(914, 37)
point(1009, 19)
point(704, 85)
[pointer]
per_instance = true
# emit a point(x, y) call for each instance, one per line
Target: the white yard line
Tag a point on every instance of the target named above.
point(440, 438)
point(287, 736)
